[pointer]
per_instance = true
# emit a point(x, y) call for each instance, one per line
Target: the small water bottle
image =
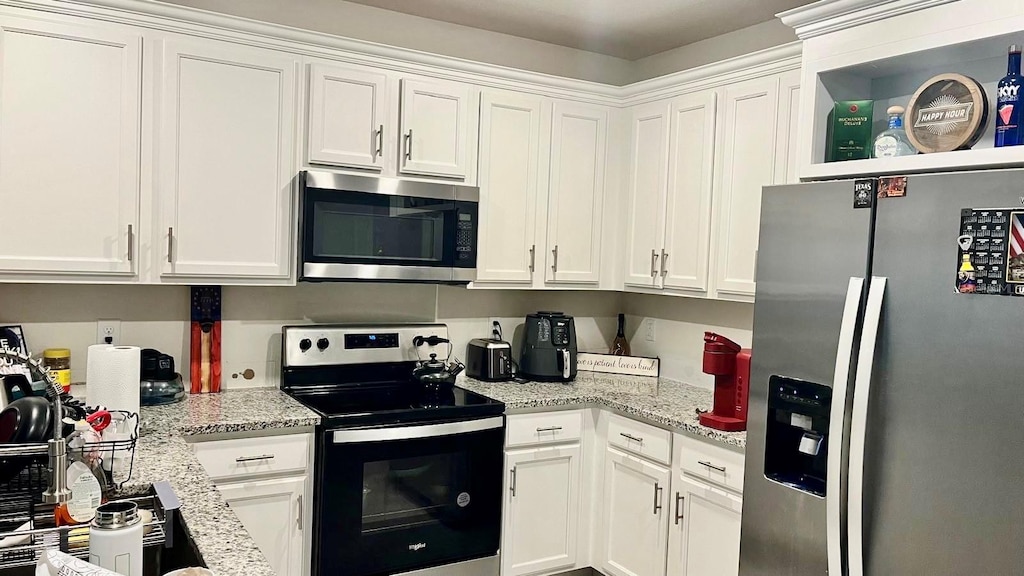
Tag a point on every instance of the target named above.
point(115, 538)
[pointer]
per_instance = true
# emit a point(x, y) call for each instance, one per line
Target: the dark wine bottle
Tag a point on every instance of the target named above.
point(620, 346)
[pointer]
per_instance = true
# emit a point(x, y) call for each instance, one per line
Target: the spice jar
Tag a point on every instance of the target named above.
point(57, 362)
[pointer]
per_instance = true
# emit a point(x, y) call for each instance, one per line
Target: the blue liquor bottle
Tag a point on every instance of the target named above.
point(1008, 128)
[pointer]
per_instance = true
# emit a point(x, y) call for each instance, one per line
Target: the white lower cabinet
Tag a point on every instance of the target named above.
point(635, 534)
point(704, 538)
point(272, 512)
point(542, 506)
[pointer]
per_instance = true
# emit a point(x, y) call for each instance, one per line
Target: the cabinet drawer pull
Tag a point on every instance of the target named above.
point(657, 498)
point(298, 520)
point(170, 245)
point(533, 256)
point(244, 459)
point(131, 242)
point(512, 483)
point(408, 146)
point(631, 437)
point(380, 141)
point(712, 466)
point(664, 263)
point(554, 264)
point(549, 429)
point(679, 511)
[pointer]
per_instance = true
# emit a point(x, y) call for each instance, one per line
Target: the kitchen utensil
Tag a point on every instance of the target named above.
point(206, 333)
point(99, 420)
point(549, 347)
point(436, 375)
point(26, 420)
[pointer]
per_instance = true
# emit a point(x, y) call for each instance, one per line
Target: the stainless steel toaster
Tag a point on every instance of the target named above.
point(489, 359)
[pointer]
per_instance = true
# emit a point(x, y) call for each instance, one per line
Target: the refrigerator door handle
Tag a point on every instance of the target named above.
point(836, 436)
point(858, 425)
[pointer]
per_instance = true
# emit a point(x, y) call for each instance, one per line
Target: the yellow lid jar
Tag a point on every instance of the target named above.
point(57, 362)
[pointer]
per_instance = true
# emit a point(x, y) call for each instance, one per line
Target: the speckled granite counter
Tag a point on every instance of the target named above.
point(658, 400)
point(163, 455)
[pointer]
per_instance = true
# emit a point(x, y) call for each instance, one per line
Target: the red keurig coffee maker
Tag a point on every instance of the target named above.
point(730, 365)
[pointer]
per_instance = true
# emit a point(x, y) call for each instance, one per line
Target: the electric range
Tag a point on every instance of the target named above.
point(406, 479)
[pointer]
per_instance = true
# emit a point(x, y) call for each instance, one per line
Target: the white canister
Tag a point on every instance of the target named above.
point(115, 538)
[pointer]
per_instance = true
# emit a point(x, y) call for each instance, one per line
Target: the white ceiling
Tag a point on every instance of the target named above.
point(629, 29)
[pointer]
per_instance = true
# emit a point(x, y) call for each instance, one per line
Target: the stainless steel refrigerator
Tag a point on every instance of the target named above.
point(886, 418)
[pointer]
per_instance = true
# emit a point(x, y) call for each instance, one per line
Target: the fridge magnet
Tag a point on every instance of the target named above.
point(863, 192)
point(892, 187)
point(965, 242)
point(1015, 259)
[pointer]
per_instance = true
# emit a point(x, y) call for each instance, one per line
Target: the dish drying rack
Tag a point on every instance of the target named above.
point(74, 540)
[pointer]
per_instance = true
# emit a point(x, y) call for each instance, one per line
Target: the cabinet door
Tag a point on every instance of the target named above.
point(271, 511)
point(576, 193)
point(347, 111)
point(704, 539)
point(435, 128)
point(226, 160)
point(648, 160)
point(636, 520)
point(684, 264)
point(70, 97)
point(745, 164)
point(510, 142)
point(789, 125)
point(541, 510)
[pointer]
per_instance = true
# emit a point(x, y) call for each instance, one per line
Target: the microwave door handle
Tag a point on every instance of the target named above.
point(837, 427)
point(858, 425)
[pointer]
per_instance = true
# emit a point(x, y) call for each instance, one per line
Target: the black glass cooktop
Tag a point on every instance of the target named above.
point(382, 404)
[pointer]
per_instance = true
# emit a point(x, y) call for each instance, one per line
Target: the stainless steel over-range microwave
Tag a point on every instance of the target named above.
point(385, 229)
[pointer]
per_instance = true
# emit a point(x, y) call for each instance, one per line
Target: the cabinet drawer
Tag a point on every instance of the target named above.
point(712, 463)
point(547, 428)
point(245, 456)
point(640, 439)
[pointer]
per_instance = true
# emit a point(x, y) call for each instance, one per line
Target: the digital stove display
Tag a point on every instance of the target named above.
point(382, 340)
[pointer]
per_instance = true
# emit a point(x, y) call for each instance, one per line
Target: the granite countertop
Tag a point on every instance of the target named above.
point(659, 400)
point(163, 455)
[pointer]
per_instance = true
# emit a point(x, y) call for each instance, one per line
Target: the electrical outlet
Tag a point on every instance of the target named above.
point(490, 325)
point(108, 331)
point(650, 330)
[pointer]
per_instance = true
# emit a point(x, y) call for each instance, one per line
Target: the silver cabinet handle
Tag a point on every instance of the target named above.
point(755, 266)
point(170, 245)
point(131, 242)
point(657, 498)
point(408, 145)
point(554, 264)
point(664, 263)
point(244, 459)
point(380, 141)
point(533, 256)
point(298, 521)
point(654, 263)
point(549, 429)
point(679, 511)
point(512, 486)
point(631, 437)
point(712, 466)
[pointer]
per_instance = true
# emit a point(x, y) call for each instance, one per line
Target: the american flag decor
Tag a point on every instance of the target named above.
point(1016, 235)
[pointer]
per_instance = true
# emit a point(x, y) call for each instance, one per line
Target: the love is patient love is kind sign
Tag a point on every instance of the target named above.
point(609, 364)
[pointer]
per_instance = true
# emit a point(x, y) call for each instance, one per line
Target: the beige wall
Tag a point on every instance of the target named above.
point(396, 29)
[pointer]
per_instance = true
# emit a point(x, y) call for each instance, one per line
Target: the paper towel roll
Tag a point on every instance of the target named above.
point(112, 377)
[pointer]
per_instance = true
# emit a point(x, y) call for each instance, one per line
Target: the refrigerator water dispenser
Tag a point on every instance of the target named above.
point(797, 434)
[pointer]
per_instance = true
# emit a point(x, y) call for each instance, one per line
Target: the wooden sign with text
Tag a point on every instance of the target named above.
point(610, 364)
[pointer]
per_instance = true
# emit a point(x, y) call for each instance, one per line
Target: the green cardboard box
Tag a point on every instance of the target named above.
point(849, 131)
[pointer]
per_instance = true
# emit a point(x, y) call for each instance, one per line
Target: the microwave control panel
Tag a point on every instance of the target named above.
point(465, 236)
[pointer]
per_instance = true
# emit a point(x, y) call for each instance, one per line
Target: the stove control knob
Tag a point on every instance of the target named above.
point(322, 344)
point(305, 344)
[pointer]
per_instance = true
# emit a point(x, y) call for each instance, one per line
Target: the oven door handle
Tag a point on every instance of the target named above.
point(414, 432)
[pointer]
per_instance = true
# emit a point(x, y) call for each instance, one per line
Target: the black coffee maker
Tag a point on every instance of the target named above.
point(549, 348)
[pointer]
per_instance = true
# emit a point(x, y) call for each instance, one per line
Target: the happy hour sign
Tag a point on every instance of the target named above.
point(609, 364)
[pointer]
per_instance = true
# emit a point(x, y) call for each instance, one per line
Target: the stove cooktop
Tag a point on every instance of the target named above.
point(362, 405)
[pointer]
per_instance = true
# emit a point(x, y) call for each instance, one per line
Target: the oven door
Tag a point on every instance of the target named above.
point(406, 497)
point(362, 228)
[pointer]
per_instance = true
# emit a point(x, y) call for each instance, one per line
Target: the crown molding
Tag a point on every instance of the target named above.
point(827, 16)
point(158, 16)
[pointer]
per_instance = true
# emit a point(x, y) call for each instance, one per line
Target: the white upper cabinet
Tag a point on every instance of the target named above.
point(745, 165)
point(684, 261)
point(437, 131)
point(70, 98)
point(635, 536)
point(347, 117)
point(542, 509)
point(227, 160)
point(510, 146)
point(704, 538)
point(649, 149)
point(789, 128)
point(576, 193)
